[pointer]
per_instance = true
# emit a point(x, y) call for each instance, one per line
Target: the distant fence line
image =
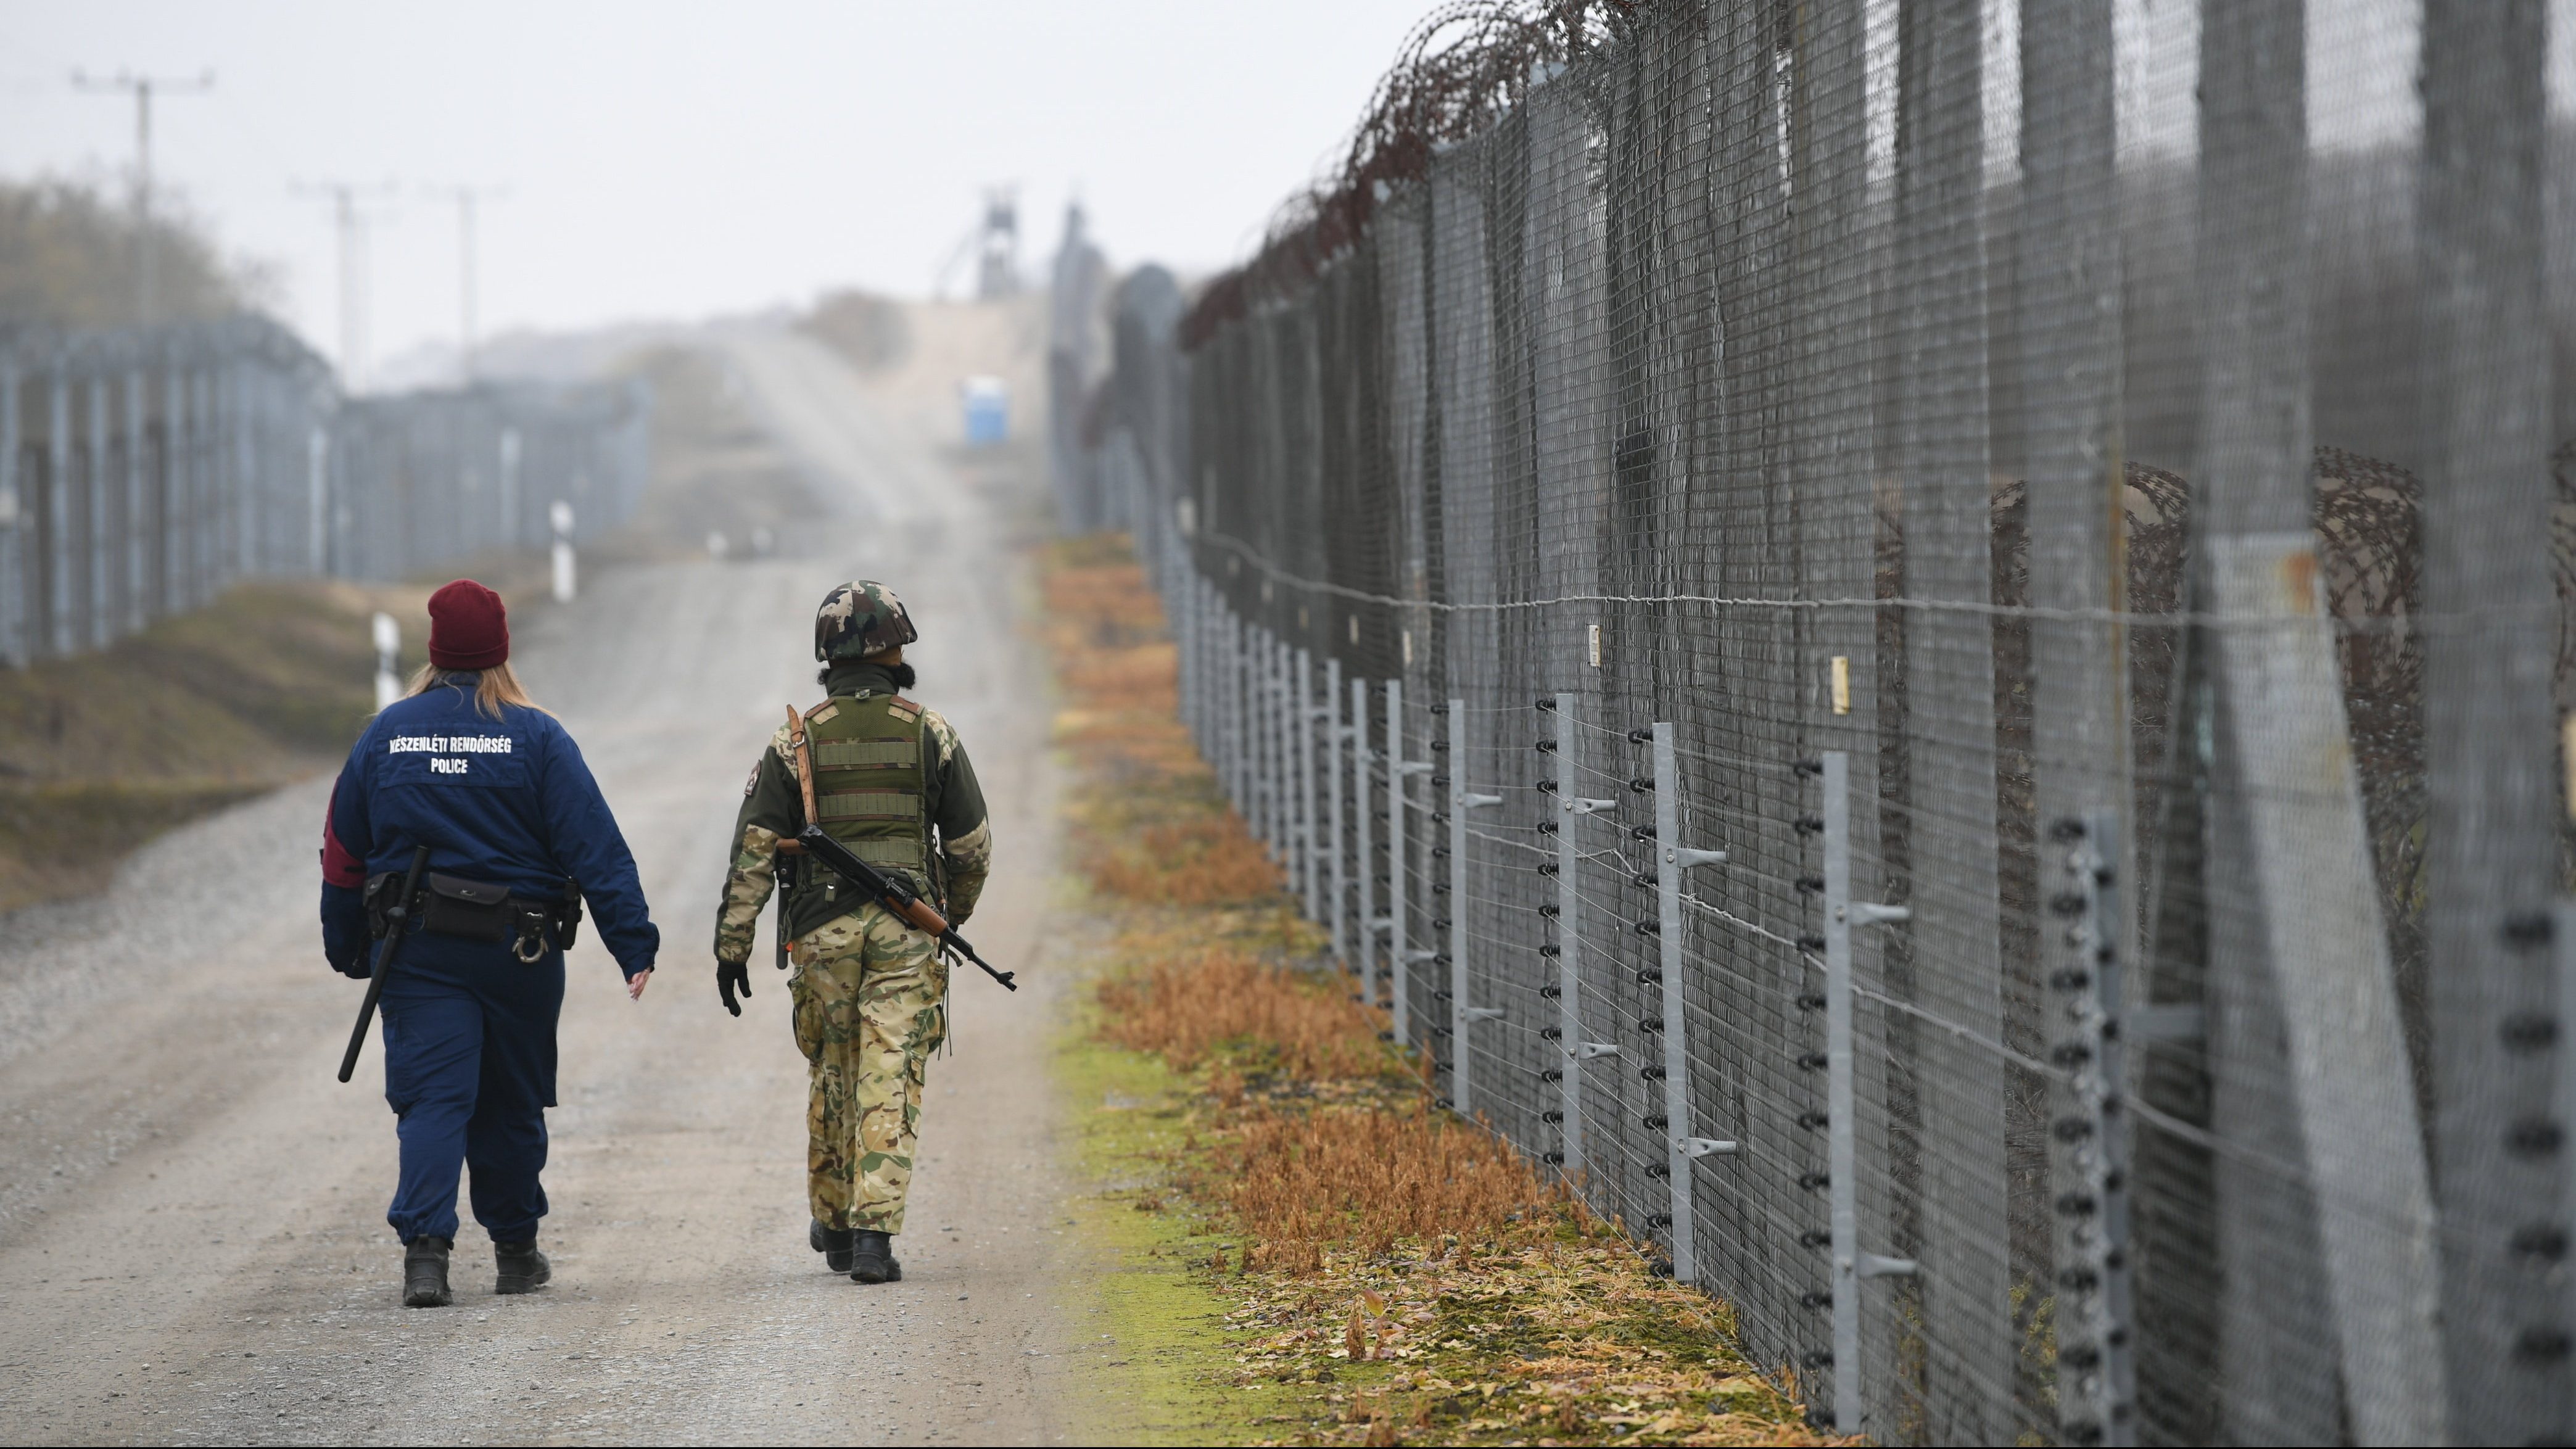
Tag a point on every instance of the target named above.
point(1942, 689)
point(143, 470)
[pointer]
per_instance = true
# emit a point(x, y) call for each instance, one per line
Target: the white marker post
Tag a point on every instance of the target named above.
point(561, 516)
point(388, 645)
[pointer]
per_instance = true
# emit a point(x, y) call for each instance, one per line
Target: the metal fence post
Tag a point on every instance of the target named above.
point(1364, 915)
point(1572, 1050)
point(1400, 951)
point(15, 647)
point(317, 500)
point(1461, 1014)
point(2490, 727)
point(1851, 1263)
point(1682, 1146)
point(1328, 849)
point(172, 485)
point(1225, 672)
point(1261, 705)
point(1283, 761)
point(1175, 593)
point(205, 508)
point(1568, 1031)
point(1301, 727)
point(136, 552)
point(1277, 774)
point(1245, 725)
point(245, 513)
point(2097, 1385)
point(60, 561)
point(1267, 691)
point(98, 484)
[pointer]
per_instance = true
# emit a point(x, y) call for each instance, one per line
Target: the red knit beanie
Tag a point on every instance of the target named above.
point(468, 628)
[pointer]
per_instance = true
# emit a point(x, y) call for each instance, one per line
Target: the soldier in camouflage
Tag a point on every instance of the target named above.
point(891, 781)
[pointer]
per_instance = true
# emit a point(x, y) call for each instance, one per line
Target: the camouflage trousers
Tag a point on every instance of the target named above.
point(869, 995)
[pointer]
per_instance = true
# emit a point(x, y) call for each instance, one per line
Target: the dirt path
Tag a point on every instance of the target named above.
point(192, 1245)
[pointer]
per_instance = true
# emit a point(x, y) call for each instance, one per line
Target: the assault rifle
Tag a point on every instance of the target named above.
point(892, 894)
point(876, 885)
point(397, 921)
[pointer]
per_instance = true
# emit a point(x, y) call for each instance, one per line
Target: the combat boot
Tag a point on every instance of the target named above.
point(522, 1268)
point(872, 1257)
point(832, 1243)
point(425, 1273)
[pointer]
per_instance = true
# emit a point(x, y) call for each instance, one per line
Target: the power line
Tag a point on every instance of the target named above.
point(347, 200)
point(466, 198)
point(147, 261)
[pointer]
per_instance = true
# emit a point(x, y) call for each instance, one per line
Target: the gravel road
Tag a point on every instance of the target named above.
point(192, 1237)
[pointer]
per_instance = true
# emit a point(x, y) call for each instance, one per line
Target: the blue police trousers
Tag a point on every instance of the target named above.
point(470, 1071)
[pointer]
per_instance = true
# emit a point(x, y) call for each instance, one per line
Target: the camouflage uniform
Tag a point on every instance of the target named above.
point(869, 990)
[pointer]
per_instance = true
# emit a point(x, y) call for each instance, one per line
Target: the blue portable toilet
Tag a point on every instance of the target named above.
point(988, 411)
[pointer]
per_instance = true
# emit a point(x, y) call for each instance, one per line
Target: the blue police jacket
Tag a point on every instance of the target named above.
point(508, 801)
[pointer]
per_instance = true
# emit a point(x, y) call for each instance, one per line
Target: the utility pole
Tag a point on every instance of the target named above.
point(465, 198)
point(346, 200)
point(147, 258)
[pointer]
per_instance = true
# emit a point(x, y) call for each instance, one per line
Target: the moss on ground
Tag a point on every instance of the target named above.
point(1150, 1319)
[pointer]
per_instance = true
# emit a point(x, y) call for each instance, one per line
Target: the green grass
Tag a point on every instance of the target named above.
point(1162, 1361)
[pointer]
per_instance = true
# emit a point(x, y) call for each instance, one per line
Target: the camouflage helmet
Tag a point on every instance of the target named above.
point(861, 617)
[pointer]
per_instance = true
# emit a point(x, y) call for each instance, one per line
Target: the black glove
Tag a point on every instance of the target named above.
point(733, 976)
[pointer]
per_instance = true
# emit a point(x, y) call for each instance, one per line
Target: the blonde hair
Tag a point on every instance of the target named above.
point(495, 687)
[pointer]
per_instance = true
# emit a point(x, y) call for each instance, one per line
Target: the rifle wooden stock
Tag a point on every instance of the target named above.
point(920, 914)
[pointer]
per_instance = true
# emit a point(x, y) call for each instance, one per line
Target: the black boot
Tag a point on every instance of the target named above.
point(425, 1273)
point(872, 1257)
point(522, 1268)
point(832, 1243)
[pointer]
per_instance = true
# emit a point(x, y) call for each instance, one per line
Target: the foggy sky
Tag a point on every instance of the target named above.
point(671, 160)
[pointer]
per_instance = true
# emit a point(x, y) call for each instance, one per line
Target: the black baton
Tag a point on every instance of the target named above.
point(397, 918)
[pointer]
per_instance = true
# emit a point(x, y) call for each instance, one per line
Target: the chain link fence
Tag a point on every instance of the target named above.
point(144, 470)
point(1925, 647)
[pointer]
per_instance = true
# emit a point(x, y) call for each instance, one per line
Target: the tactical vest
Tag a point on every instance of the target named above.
point(870, 768)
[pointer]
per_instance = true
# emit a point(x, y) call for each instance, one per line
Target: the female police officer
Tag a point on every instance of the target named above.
point(518, 836)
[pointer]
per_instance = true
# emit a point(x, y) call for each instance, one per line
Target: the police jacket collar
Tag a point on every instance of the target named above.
point(851, 677)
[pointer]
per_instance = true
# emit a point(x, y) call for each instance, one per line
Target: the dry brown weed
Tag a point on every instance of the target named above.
point(1184, 1009)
